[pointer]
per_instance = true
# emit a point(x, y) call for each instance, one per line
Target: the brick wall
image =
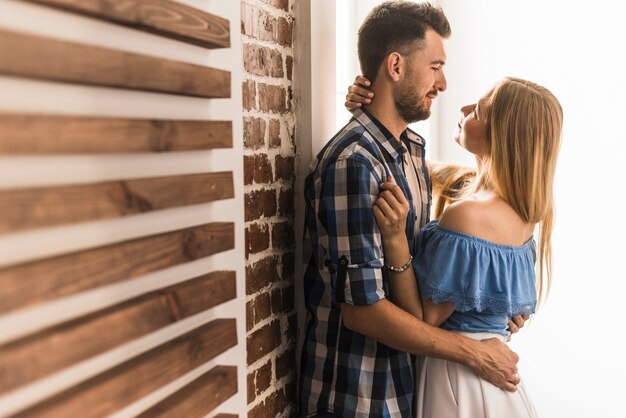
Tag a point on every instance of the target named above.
point(269, 149)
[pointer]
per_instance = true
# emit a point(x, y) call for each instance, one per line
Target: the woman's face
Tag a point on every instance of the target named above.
point(470, 132)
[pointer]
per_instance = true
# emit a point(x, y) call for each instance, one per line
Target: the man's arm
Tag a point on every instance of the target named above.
point(384, 322)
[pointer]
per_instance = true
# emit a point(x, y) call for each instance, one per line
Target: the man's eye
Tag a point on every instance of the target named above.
point(435, 69)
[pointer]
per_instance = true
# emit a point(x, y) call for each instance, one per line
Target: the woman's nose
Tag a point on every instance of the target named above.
point(467, 109)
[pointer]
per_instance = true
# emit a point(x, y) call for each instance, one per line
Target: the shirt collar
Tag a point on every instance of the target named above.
point(384, 137)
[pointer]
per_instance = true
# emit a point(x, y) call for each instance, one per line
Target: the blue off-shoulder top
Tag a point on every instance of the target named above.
point(487, 283)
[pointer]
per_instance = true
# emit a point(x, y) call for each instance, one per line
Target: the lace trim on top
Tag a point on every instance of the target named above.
point(479, 303)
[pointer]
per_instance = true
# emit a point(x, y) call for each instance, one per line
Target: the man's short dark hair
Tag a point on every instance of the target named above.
point(398, 26)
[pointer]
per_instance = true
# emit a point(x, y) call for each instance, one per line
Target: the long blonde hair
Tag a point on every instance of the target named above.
point(450, 183)
point(523, 131)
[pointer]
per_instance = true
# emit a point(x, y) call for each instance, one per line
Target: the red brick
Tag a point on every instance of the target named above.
point(275, 404)
point(272, 98)
point(291, 393)
point(261, 274)
point(253, 132)
point(249, 94)
point(286, 202)
point(257, 169)
point(283, 300)
point(262, 61)
point(262, 342)
point(291, 332)
point(258, 309)
point(289, 98)
point(286, 364)
point(284, 167)
point(283, 235)
point(259, 24)
point(288, 261)
point(257, 239)
point(289, 62)
point(248, 169)
point(259, 204)
point(284, 32)
point(249, 315)
point(259, 381)
point(274, 133)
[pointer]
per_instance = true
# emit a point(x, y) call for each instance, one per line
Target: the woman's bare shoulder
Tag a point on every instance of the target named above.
point(487, 218)
point(464, 216)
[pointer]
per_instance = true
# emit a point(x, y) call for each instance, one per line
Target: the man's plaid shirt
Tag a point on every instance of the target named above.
point(342, 371)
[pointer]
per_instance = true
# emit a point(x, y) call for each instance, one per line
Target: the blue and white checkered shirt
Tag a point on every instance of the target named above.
point(342, 371)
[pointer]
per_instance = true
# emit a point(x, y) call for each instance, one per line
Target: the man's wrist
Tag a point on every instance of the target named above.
point(466, 352)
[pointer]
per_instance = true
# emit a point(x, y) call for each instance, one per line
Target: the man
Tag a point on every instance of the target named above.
point(355, 360)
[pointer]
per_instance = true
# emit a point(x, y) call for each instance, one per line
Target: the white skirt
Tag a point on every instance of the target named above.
point(446, 389)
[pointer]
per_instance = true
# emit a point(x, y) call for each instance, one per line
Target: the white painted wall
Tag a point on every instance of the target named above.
point(572, 352)
point(22, 95)
point(322, 44)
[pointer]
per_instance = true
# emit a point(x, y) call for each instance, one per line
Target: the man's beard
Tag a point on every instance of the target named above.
point(408, 102)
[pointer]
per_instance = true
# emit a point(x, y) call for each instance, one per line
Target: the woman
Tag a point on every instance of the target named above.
point(475, 266)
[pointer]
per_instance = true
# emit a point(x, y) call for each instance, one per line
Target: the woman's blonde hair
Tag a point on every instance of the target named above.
point(523, 135)
point(449, 183)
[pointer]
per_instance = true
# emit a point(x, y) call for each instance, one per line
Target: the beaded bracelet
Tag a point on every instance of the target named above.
point(402, 268)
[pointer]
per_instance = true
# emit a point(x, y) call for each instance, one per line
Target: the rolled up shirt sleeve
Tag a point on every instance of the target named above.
point(348, 191)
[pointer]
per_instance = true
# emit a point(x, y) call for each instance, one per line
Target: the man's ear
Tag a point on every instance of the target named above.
point(394, 66)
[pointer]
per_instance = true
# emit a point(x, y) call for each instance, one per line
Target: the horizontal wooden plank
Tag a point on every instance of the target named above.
point(163, 17)
point(22, 209)
point(45, 280)
point(50, 59)
point(36, 356)
point(199, 397)
point(47, 134)
point(138, 377)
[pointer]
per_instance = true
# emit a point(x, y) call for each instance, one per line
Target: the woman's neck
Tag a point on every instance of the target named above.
point(482, 183)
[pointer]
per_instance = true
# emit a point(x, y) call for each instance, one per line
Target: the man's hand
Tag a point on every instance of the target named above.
point(358, 94)
point(496, 363)
point(517, 322)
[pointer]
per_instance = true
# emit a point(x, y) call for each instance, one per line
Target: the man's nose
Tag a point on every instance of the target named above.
point(442, 83)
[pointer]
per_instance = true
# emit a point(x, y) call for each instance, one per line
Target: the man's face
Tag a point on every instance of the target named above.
point(423, 79)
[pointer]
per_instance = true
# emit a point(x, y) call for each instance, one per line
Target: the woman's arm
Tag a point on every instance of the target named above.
point(436, 314)
point(391, 210)
point(358, 94)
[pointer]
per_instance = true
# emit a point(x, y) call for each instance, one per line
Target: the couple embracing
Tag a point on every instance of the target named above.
point(408, 317)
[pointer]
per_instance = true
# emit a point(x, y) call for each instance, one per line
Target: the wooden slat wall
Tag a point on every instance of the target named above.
point(159, 335)
point(72, 62)
point(41, 207)
point(48, 134)
point(163, 17)
point(41, 281)
point(130, 381)
point(199, 397)
point(67, 344)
